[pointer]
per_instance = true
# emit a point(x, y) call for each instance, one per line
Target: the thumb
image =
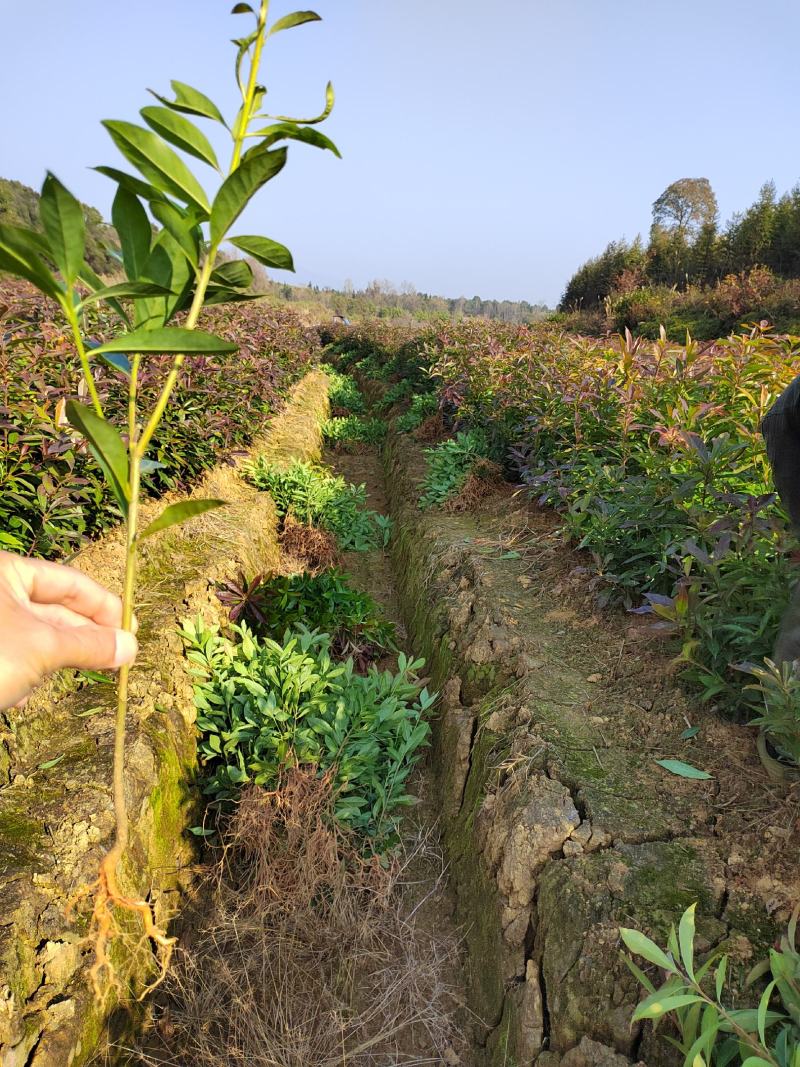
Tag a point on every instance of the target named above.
point(93, 647)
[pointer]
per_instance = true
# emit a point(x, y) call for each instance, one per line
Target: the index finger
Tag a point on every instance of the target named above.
point(55, 583)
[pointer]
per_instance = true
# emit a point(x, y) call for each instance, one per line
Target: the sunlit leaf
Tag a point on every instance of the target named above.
point(191, 101)
point(307, 135)
point(20, 255)
point(181, 132)
point(167, 339)
point(180, 512)
point(64, 225)
point(297, 18)
point(649, 950)
point(134, 230)
point(107, 448)
point(270, 253)
point(239, 188)
point(157, 162)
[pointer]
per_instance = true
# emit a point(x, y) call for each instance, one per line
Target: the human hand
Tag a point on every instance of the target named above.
point(52, 616)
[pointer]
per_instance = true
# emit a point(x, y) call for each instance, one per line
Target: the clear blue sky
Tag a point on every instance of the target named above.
point(489, 148)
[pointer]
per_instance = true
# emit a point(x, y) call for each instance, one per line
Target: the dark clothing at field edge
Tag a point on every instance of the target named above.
point(781, 430)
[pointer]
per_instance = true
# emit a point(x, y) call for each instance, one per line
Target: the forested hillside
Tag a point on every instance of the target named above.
point(694, 273)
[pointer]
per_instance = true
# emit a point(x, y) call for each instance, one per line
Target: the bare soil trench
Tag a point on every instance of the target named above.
point(559, 824)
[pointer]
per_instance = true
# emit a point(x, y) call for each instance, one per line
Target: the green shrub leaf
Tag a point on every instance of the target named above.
point(157, 162)
point(180, 512)
point(167, 339)
point(64, 224)
point(107, 448)
point(180, 132)
point(649, 950)
point(297, 18)
point(191, 102)
point(270, 253)
point(239, 188)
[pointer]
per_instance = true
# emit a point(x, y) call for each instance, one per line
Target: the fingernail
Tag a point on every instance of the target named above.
point(126, 647)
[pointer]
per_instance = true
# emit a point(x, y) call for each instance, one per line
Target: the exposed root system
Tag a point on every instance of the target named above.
point(481, 482)
point(314, 549)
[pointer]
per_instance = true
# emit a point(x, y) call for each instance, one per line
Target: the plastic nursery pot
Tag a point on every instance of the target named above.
point(778, 770)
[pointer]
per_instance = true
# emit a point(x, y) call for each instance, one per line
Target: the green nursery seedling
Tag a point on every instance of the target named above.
point(172, 271)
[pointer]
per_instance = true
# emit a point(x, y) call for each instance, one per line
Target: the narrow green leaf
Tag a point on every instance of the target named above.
point(691, 731)
point(48, 764)
point(307, 135)
point(129, 290)
point(20, 255)
point(107, 447)
point(181, 132)
point(235, 274)
point(168, 266)
point(655, 1007)
point(167, 339)
point(191, 102)
point(65, 226)
point(132, 184)
point(157, 162)
point(134, 230)
point(329, 102)
point(643, 946)
point(683, 770)
point(118, 362)
point(201, 831)
point(239, 188)
point(756, 1061)
point(763, 1007)
point(297, 18)
point(686, 939)
point(220, 294)
point(177, 513)
point(270, 253)
point(719, 977)
point(184, 228)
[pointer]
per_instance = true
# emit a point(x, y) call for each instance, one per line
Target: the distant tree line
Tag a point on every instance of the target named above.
point(19, 206)
point(382, 299)
point(688, 248)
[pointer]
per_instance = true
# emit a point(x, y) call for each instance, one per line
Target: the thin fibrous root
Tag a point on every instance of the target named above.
point(107, 897)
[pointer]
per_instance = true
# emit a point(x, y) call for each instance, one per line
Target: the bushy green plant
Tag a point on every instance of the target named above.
point(353, 430)
point(171, 272)
point(264, 706)
point(713, 1034)
point(317, 498)
point(343, 392)
point(778, 707)
point(449, 463)
point(397, 392)
point(422, 407)
point(325, 602)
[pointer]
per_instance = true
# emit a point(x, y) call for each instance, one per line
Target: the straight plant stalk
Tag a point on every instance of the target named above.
point(137, 448)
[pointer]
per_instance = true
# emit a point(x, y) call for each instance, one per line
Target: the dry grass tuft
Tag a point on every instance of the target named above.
point(315, 549)
point(483, 480)
point(311, 954)
point(431, 429)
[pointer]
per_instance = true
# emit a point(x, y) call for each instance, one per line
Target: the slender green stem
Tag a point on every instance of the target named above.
point(137, 447)
point(72, 318)
point(247, 108)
